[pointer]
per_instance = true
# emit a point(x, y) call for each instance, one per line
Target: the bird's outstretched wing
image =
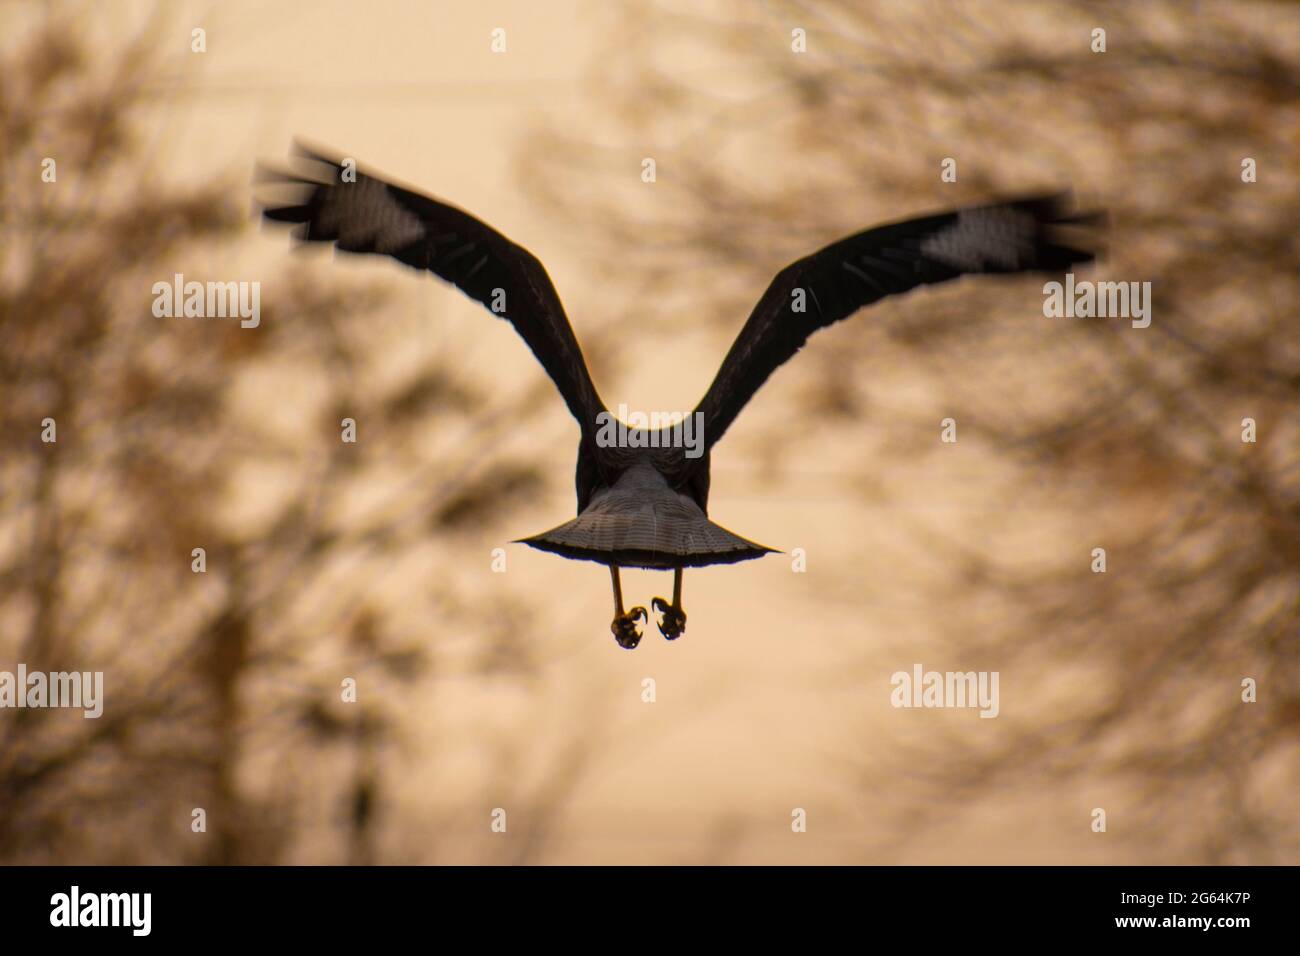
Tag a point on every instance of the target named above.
point(364, 214)
point(1019, 235)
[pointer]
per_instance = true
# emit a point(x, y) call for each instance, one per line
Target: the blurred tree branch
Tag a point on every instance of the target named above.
point(223, 688)
point(1128, 439)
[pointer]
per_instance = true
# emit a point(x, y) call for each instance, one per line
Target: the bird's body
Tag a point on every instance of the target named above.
point(642, 521)
point(645, 503)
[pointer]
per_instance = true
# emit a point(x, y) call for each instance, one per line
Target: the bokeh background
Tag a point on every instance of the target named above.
point(480, 690)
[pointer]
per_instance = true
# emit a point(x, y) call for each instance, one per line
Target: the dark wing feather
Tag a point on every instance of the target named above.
point(1022, 235)
point(370, 215)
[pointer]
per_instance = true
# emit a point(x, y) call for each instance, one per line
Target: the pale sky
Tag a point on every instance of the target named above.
point(776, 684)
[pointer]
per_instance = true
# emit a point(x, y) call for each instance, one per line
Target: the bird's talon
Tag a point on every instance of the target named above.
point(673, 624)
point(625, 630)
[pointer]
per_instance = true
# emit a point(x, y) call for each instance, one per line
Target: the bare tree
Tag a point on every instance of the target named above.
point(176, 511)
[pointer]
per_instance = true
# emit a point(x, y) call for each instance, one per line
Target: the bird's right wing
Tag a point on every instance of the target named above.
point(365, 214)
point(1020, 235)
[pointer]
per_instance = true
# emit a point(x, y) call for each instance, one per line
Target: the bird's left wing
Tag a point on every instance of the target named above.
point(361, 213)
point(1020, 235)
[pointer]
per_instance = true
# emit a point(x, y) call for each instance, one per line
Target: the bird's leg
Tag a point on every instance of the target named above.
point(673, 624)
point(624, 627)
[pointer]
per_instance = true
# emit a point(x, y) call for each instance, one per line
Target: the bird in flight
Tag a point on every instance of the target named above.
point(643, 502)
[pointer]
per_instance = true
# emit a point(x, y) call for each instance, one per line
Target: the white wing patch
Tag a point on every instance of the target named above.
point(980, 238)
point(365, 211)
